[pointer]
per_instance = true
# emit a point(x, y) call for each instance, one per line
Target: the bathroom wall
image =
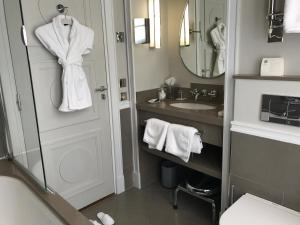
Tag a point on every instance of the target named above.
point(151, 65)
point(247, 104)
point(127, 148)
point(264, 156)
point(119, 17)
point(266, 168)
point(177, 68)
point(125, 116)
point(252, 43)
point(251, 47)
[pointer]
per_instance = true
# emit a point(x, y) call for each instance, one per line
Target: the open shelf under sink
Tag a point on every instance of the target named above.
point(208, 162)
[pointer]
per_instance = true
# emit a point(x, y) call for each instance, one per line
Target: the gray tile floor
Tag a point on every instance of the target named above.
point(152, 206)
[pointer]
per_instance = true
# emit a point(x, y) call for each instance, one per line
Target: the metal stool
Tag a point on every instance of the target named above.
point(204, 198)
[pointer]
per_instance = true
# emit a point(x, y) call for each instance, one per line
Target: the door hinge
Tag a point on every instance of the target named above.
point(24, 35)
point(19, 103)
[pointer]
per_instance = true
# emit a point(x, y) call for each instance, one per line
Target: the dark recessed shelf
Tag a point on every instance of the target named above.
point(208, 162)
point(258, 77)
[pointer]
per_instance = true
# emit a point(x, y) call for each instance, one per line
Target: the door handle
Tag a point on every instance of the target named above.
point(101, 89)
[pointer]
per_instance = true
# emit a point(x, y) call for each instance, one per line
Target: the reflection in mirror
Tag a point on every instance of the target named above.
point(202, 37)
point(141, 31)
point(185, 28)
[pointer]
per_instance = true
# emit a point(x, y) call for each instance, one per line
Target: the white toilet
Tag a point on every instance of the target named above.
point(251, 210)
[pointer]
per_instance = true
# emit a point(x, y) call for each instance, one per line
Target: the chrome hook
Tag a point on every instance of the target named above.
point(62, 9)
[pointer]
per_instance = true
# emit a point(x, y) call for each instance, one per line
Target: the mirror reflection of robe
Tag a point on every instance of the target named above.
point(69, 43)
point(218, 38)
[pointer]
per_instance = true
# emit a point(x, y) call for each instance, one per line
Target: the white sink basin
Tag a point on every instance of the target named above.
point(193, 106)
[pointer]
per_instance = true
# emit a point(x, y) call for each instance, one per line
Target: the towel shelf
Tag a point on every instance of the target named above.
point(208, 162)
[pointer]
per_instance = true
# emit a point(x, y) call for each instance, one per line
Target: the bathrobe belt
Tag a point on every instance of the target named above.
point(68, 62)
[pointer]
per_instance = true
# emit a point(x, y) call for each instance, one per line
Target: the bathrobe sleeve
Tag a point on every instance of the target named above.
point(215, 37)
point(89, 41)
point(45, 35)
point(218, 40)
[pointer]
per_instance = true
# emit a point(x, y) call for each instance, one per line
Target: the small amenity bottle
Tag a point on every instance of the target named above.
point(162, 94)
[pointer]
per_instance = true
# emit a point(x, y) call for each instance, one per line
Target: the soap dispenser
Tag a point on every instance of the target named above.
point(162, 94)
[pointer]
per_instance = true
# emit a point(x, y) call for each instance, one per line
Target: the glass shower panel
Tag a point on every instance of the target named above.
point(30, 157)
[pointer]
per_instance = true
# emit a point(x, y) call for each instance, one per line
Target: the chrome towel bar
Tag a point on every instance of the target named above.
point(200, 133)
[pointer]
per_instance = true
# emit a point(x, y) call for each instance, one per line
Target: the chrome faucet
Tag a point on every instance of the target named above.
point(195, 93)
point(212, 93)
point(204, 93)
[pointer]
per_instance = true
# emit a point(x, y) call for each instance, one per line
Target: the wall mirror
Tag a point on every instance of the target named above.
point(141, 31)
point(202, 37)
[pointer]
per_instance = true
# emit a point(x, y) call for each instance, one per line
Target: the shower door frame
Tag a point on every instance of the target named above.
point(9, 88)
point(113, 84)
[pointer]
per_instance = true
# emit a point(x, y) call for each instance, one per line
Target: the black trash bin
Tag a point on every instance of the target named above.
point(169, 174)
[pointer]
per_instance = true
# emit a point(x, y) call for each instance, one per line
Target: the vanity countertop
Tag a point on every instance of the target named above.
point(55, 202)
point(258, 77)
point(202, 116)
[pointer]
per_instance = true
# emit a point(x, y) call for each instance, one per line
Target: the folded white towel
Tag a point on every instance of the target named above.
point(182, 140)
point(197, 145)
point(156, 133)
point(292, 16)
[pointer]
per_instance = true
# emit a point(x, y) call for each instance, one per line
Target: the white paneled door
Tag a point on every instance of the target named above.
point(76, 146)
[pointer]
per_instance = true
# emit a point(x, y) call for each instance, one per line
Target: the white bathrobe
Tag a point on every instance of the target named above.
point(218, 38)
point(69, 43)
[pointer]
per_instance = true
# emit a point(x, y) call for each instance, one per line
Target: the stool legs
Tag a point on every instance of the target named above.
point(211, 201)
point(175, 203)
point(213, 205)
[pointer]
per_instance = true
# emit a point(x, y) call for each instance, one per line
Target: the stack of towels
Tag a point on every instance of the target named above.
point(180, 140)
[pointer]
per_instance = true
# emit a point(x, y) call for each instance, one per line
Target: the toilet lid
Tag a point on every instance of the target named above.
point(251, 210)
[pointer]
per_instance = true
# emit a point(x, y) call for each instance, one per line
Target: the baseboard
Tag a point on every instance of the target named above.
point(136, 179)
point(120, 185)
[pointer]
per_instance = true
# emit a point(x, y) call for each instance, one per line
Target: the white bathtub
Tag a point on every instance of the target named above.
point(20, 206)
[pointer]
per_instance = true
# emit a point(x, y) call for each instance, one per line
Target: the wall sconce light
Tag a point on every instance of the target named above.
point(185, 28)
point(154, 17)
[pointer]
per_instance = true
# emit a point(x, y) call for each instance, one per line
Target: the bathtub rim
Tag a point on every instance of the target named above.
point(53, 201)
